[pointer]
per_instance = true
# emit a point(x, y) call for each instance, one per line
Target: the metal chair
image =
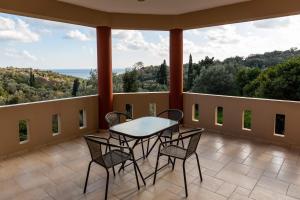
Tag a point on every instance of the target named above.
point(175, 151)
point(114, 118)
point(115, 156)
point(173, 114)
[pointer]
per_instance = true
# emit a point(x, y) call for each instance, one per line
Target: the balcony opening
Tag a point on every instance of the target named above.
point(152, 109)
point(219, 116)
point(82, 118)
point(280, 125)
point(56, 124)
point(129, 110)
point(23, 131)
point(146, 69)
point(247, 120)
point(195, 112)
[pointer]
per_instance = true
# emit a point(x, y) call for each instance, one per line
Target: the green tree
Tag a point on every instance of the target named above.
point(190, 77)
point(215, 80)
point(280, 82)
point(75, 88)
point(162, 74)
point(31, 78)
point(243, 79)
point(130, 81)
point(117, 83)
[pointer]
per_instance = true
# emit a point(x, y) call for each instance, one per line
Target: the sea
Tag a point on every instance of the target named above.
point(83, 73)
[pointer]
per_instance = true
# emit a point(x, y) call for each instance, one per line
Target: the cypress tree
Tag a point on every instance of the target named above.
point(190, 74)
point(31, 78)
point(76, 84)
point(162, 75)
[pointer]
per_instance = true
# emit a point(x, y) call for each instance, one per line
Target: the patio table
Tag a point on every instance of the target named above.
point(142, 128)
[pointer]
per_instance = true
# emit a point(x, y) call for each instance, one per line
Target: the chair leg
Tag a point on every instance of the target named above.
point(136, 176)
point(122, 167)
point(156, 167)
point(142, 142)
point(107, 183)
point(106, 148)
point(87, 177)
point(184, 176)
point(173, 164)
point(148, 144)
point(199, 168)
point(114, 172)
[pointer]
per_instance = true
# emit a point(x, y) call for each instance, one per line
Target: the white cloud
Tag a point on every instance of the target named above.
point(16, 30)
point(225, 34)
point(130, 40)
point(20, 54)
point(127, 40)
point(243, 39)
point(77, 35)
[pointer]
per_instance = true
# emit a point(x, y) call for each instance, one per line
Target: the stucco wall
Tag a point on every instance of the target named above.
point(263, 116)
point(141, 101)
point(39, 117)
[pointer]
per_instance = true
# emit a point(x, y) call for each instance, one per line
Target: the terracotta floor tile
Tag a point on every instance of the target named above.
point(232, 168)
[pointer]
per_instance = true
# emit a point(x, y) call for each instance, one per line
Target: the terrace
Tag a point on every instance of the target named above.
point(239, 161)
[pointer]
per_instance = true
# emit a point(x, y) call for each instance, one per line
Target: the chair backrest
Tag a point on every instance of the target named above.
point(173, 114)
point(95, 148)
point(195, 136)
point(114, 118)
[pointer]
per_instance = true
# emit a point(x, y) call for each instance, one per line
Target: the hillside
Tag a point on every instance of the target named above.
point(20, 85)
point(232, 76)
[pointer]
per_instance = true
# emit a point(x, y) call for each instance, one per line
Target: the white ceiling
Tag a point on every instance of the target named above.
point(168, 7)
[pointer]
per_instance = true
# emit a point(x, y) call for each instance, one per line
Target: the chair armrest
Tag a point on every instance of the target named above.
point(95, 137)
point(106, 143)
point(184, 135)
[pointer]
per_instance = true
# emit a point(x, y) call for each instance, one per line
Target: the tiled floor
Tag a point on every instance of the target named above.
point(232, 168)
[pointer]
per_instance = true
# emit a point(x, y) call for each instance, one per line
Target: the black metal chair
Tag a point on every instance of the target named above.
point(116, 155)
point(175, 151)
point(173, 114)
point(114, 118)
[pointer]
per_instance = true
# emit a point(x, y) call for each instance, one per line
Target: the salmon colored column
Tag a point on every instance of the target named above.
point(176, 69)
point(105, 87)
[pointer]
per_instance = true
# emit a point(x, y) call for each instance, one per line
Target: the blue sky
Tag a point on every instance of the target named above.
point(29, 42)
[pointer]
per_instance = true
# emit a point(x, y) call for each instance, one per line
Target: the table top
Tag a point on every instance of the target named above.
point(143, 127)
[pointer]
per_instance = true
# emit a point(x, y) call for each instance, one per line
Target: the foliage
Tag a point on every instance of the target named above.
point(216, 79)
point(23, 130)
point(270, 75)
point(247, 119)
point(190, 75)
point(244, 77)
point(15, 85)
point(130, 82)
point(76, 84)
point(162, 74)
point(31, 78)
point(279, 82)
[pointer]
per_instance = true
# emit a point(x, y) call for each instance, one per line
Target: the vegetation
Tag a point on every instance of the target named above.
point(21, 85)
point(247, 119)
point(235, 76)
point(220, 115)
point(23, 131)
point(274, 75)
